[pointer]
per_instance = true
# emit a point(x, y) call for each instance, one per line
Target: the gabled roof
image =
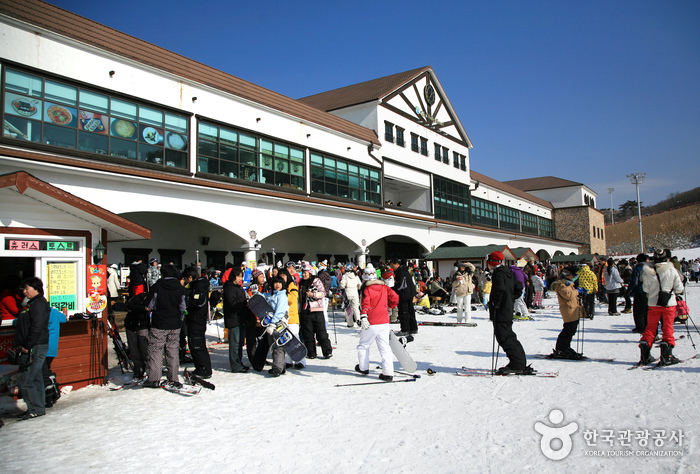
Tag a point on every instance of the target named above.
point(95, 35)
point(362, 92)
point(523, 252)
point(38, 191)
point(544, 182)
point(509, 189)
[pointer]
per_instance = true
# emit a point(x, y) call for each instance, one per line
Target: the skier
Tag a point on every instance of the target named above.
point(504, 290)
point(280, 304)
point(351, 284)
point(661, 282)
point(571, 312)
point(377, 298)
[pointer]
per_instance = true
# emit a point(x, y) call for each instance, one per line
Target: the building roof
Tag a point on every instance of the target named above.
point(509, 189)
point(363, 92)
point(543, 182)
point(96, 35)
point(35, 191)
point(463, 253)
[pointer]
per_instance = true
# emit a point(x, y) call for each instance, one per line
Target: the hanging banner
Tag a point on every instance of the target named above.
point(97, 279)
point(62, 286)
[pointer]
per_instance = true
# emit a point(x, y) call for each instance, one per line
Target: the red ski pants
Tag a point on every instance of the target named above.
point(667, 315)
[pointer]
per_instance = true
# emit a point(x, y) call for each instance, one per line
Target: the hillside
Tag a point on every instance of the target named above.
point(676, 229)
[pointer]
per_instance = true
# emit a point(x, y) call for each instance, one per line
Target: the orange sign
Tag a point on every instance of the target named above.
point(97, 279)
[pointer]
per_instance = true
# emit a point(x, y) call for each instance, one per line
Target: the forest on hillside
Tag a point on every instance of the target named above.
point(628, 209)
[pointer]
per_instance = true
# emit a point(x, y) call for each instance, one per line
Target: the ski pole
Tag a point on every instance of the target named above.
point(689, 337)
point(493, 351)
point(415, 376)
point(374, 383)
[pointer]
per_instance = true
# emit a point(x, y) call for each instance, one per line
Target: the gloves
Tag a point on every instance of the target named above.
point(254, 288)
point(363, 321)
point(582, 291)
point(270, 329)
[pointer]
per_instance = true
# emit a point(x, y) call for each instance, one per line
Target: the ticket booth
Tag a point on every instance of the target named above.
point(51, 234)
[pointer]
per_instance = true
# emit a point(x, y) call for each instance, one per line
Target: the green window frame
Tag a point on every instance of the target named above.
point(546, 227)
point(344, 179)
point(509, 218)
point(40, 109)
point(529, 223)
point(231, 153)
point(451, 200)
point(484, 212)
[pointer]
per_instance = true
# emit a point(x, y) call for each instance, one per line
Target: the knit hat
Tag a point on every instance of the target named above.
point(388, 273)
point(496, 257)
point(369, 273)
point(255, 273)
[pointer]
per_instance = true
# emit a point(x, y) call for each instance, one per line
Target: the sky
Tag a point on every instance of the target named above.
point(586, 91)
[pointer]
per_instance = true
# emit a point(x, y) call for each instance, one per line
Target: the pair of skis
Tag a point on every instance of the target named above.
point(661, 366)
point(474, 372)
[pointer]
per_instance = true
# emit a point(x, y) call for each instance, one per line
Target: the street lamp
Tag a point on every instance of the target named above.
point(637, 179)
point(612, 216)
point(98, 253)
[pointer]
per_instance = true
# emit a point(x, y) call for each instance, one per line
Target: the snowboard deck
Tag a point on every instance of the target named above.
point(282, 335)
point(401, 354)
point(193, 379)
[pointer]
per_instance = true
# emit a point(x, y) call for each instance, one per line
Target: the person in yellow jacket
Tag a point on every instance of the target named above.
point(293, 322)
point(571, 311)
point(589, 282)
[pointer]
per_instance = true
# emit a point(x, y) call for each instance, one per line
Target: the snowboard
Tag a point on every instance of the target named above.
point(401, 354)
point(193, 379)
point(186, 389)
point(283, 336)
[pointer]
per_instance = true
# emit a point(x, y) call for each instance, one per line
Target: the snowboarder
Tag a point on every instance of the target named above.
point(571, 311)
point(504, 290)
point(377, 298)
point(661, 282)
point(280, 304)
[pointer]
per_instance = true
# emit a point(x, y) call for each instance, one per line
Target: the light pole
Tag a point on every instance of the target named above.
point(612, 216)
point(637, 179)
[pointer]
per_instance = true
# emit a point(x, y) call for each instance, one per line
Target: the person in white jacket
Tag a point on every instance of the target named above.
point(660, 282)
point(463, 287)
point(351, 283)
point(613, 283)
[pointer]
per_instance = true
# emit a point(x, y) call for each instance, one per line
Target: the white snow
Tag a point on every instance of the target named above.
point(301, 422)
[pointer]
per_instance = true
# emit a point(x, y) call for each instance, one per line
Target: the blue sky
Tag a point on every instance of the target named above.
point(588, 91)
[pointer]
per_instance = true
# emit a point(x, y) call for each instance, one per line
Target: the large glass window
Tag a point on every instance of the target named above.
point(546, 228)
point(484, 212)
point(227, 152)
point(510, 218)
point(344, 179)
point(529, 223)
point(43, 110)
point(451, 200)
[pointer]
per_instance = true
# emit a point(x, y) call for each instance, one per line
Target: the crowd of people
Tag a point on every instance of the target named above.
point(169, 310)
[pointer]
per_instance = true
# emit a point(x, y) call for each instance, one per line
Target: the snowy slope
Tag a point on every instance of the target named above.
point(301, 422)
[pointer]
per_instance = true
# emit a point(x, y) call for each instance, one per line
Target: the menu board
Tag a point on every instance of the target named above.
point(62, 285)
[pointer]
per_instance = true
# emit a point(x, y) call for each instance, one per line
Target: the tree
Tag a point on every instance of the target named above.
point(629, 207)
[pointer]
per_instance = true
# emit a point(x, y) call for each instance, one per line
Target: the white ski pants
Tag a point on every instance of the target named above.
point(380, 334)
point(464, 305)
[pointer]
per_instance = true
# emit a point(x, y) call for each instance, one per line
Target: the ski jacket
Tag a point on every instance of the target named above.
point(167, 303)
point(153, 275)
point(32, 323)
point(670, 281)
point(314, 302)
point(56, 318)
point(462, 283)
point(377, 298)
point(10, 304)
point(505, 289)
point(293, 301)
point(404, 286)
point(351, 284)
point(137, 274)
point(568, 300)
point(280, 304)
point(236, 310)
point(198, 300)
point(112, 283)
point(587, 280)
point(519, 275)
point(613, 281)
point(636, 287)
point(537, 283)
point(137, 317)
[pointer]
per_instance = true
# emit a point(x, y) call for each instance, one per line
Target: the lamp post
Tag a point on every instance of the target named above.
point(612, 216)
point(637, 179)
point(98, 253)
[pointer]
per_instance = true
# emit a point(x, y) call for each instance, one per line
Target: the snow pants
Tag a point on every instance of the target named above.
point(196, 329)
point(639, 311)
point(464, 305)
point(667, 316)
point(380, 334)
point(235, 348)
point(138, 349)
point(508, 341)
point(313, 328)
point(30, 381)
point(160, 340)
point(407, 315)
point(519, 306)
point(566, 335)
point(354, 302)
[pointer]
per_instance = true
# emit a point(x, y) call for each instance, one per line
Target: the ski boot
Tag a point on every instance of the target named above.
point(646, 357)
point(667, 357)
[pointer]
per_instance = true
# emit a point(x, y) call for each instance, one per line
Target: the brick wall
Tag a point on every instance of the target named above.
point(581, 224)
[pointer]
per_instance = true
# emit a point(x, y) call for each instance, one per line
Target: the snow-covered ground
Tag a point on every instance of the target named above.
point(302, 422)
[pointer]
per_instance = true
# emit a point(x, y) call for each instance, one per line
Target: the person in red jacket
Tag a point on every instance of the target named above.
point(11, 297)
point(377, 298)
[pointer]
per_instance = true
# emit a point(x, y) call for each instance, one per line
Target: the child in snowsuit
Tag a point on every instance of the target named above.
point(280, 304)
point(571, 312)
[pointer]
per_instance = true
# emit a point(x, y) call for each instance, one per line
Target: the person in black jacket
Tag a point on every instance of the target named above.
point(136, 325)
point(166, 300)
point(406, 290)
point(32, 337)
point(196, 319)
point(505, 289)
point(636, 290)
point(236, 315)
point(137, 278)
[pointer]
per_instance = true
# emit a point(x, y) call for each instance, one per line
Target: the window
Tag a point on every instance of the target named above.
point(546, 229)
point(227, 152)
point(344, 179)
point(455, 159)
point(451, 200)
point(484, 212)
point(438, 152)
point(594, 232)
point(529, 223)
point(389, 132)
point(509, 218)
point(42, 110)
point(424, 146)
point(414, 142)
point(445, 156)
point(399, 137)
point(463, 162)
